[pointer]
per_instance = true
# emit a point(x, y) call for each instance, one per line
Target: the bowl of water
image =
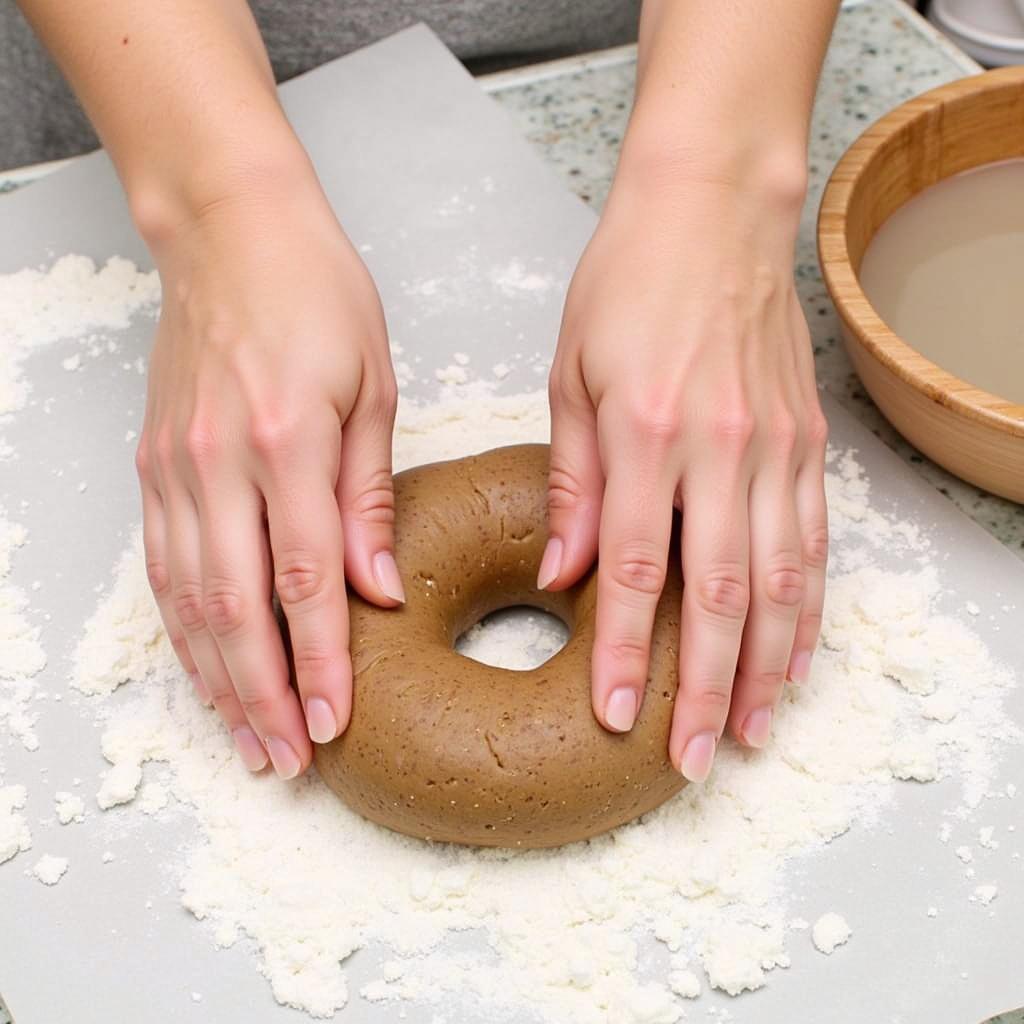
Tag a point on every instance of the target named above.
point(921, 240)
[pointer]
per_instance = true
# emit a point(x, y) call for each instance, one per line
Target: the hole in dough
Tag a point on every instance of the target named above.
point(517, 638)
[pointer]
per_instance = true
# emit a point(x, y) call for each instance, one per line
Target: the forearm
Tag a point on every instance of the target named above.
point(725, 89)
point(181, 94)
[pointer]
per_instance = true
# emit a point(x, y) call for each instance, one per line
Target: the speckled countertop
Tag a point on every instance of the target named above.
point(881, 54)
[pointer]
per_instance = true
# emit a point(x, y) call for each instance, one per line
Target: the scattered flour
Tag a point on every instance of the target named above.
point(829, 932)
point(15, 836)
point(70, 807)
point(985, 894)
point(21, 653)
point(564, 929)
point(49, 869)
point(71, 299)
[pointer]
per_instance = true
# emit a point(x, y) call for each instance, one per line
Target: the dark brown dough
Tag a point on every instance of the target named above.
point(445, 748)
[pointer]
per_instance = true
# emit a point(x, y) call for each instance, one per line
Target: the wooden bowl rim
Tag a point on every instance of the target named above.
point(871, 331)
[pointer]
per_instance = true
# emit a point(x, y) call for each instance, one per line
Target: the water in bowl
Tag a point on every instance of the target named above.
point(946, 273)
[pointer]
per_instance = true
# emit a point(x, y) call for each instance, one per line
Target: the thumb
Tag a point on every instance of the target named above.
point(366, 498)
point(575, 486)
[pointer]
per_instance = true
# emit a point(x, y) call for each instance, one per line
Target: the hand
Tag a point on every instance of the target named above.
point(684, 377)
point(265, 462)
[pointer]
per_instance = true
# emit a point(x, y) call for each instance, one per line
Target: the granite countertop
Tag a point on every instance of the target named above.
point(881, 54)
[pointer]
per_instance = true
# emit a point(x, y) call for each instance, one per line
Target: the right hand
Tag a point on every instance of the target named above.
point(265, 462)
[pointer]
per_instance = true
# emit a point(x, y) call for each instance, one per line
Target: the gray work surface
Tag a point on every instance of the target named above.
point(396, 132)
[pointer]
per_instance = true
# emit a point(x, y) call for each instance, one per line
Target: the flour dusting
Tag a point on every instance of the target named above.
point(899, 690)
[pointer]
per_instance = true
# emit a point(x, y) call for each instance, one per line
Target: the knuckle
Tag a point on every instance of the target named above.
point(810, 620)
point(639, 568)
point(311, 660)
point(144, 461)
point(299, 579)
point(816, 547)
point(375, 501)
point(712, 695)
point(724, 593)
point(258, 705)
point(188, 606)
point(627, 650)
point(271, 437)
point(785, 585)
point(732, 430)
point(772, 680)
point(200, 443)
point(817, 429)
point(158, 576)
point(224, 608)
point(658, 421)
point(565, 489)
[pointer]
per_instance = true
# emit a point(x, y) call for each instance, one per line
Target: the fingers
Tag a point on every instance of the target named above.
point(777, 587)
point(187, 600)
point(236, 605)
point(716, 596)
point(154, 542)
point(575, 486)
point(812, 514)
point(308, 557)
point(366, 498)
point(636, 524)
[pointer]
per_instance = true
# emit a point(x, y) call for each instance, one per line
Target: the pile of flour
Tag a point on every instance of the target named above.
point(899, 691)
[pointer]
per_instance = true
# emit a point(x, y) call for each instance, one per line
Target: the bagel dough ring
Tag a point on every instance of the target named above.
point(443, 747)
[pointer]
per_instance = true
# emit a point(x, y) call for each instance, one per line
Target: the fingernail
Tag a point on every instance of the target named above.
point(620, 711)
point(286, 761)
point(252, 752)
point(800, 667)
point(757, 729)
point(200, 687)
point(699, 756)
point(385, 572)
point(550, 564)
point(320, 720)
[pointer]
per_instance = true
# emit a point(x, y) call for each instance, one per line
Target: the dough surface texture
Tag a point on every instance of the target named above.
point(446, 748)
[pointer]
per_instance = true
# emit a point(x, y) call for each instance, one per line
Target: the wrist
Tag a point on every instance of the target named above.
point(255, 161)
point(670, 152)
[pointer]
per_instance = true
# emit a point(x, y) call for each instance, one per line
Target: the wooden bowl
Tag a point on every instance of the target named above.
point(978, 120)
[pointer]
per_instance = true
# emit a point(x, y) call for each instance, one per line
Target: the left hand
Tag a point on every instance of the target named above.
point(684, 377)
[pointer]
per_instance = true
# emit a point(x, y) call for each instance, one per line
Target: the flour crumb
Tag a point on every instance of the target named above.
point(72, 362)
point(452, 374)
point(15, 836)
point(69, 807)
point(197, 997)
point(685, 984)
point(985, 838)
point(49, 869)
point(830, 931)
point(984, 894)
point(965, 854)
point(933, 911)
point(501, 370)
point(108, 857)
point(973, 608)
